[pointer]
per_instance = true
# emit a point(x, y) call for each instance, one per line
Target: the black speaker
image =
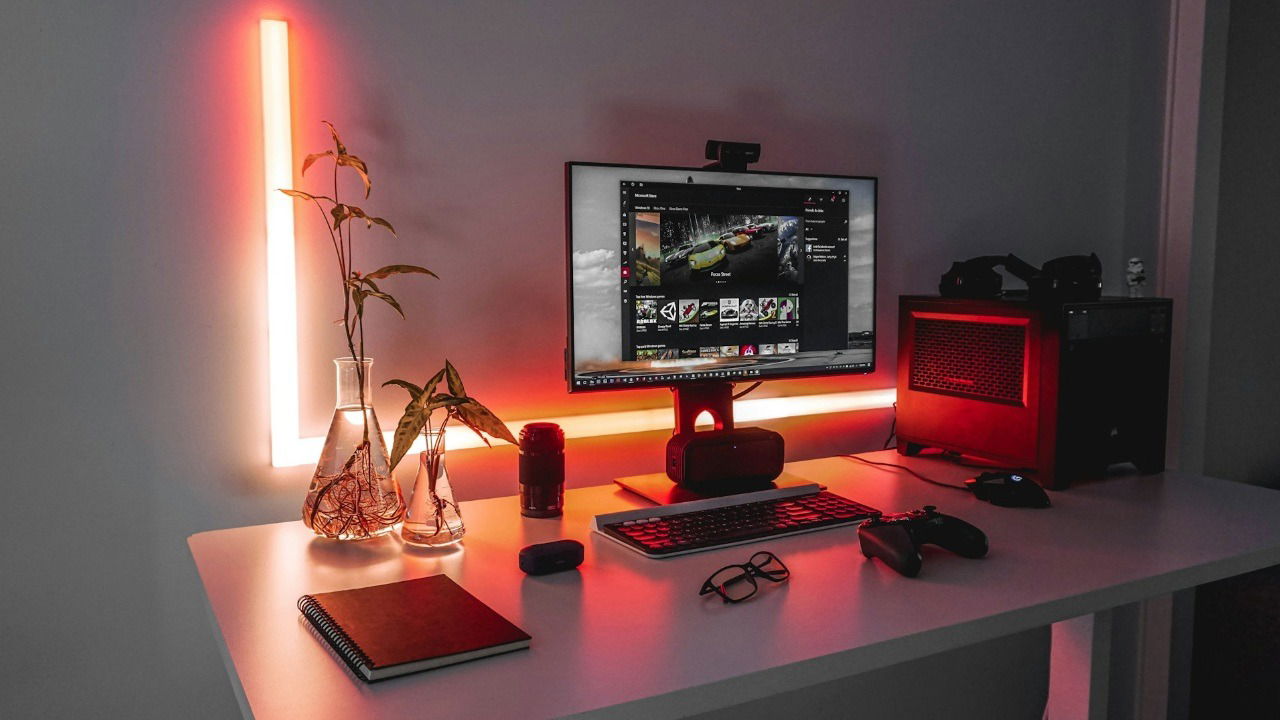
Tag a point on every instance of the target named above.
point(736, 459)
point(550, 557)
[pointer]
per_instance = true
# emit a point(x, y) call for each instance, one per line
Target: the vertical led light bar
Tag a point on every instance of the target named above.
point(282, 296)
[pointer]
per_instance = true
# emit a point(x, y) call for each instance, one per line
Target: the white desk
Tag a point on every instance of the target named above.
point(627, 635)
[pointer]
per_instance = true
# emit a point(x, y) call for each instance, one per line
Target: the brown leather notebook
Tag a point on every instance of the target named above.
point(383, 631)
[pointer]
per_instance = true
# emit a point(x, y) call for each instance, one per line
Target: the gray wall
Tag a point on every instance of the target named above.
point(135, 381)
point(1242, 435)
point(1236, 645)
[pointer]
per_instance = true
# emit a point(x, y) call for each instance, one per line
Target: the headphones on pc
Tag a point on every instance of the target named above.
point(1071, 278)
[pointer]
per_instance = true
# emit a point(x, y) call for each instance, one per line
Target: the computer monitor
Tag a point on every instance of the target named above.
point(680, 276)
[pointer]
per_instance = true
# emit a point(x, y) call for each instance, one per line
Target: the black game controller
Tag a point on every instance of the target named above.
point(896, 538)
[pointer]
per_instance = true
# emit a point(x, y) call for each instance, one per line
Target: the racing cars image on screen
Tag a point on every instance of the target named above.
point(736, 240)
point(724, 249)
point(706, 255)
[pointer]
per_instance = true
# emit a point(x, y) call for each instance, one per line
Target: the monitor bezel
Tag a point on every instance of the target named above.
point(568, 227)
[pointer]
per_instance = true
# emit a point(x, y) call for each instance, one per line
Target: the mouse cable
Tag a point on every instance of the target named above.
point(893, 427)
point(958, 459)
point(754, 385)
point(906, 469)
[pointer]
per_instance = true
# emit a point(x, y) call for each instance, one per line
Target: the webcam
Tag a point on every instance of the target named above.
point(731, 156)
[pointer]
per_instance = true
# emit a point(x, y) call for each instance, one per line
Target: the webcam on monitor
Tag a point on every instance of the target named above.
point(731, 156)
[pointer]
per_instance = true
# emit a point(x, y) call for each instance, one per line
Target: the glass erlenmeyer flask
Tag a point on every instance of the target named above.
point(352, 494)
point(433, 518)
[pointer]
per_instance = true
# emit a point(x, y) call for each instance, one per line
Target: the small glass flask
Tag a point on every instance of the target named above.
point(433, 519)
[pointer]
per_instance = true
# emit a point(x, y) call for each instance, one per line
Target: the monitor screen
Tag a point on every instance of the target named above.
point(681, 275)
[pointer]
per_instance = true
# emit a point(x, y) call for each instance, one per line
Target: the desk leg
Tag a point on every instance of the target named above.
point(1080, 667)
point(236, 687)
point(1183, 615)
point(1168, 624)
point(1120, 664)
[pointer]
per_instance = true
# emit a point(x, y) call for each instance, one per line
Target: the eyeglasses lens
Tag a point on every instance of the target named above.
point(734, 583)
point(770, 566)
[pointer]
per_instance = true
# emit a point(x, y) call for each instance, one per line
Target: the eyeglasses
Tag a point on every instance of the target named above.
point(735, 583)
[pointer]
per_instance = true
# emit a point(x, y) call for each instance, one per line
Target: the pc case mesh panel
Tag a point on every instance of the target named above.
point(977, 359)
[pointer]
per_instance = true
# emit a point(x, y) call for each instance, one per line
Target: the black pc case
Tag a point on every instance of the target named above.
point(1063, 391)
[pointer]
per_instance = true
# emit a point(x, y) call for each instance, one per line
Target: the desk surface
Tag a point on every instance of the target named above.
point(626, 635)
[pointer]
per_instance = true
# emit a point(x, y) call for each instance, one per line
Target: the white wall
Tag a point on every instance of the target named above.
point(134, 376)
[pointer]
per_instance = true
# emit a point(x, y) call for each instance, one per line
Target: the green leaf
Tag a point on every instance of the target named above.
point(300, 195)
point(310, 159)
point(340, 212)
point(359, 166)
point(416, 414)
point(430, 386)
point(342, 149)
point(440, 400)
point(414, 417)
point(413, 390)
point(371, 221)
point(358, 295)
point(474, 429)
point(425, 400)
point(385, 298)
point(389, 270)
point(480, 419)
point(455, 380)
point(407, 430)
point(366, 281)
point(355, 162)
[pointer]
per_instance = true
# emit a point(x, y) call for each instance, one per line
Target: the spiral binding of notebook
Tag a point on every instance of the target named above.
point(340, 642)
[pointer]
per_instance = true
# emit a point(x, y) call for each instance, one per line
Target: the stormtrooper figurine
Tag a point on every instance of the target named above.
point(1136, 277)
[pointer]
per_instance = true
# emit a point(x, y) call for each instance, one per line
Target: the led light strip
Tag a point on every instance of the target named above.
point(282, 281)
point(288, 449)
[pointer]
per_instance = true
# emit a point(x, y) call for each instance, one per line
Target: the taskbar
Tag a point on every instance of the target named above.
point(623, 378)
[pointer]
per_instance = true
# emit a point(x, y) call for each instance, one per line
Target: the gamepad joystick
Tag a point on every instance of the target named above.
point(896, 538)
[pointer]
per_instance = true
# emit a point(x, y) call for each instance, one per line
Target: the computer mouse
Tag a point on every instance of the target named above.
point(1008, 489)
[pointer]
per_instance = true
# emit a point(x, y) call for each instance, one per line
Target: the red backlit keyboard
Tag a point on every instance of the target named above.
point(670, 530)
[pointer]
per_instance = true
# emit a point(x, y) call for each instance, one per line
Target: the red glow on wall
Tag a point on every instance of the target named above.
point(299, 86)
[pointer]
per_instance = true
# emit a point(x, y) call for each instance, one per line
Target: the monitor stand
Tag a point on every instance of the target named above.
point(713, 398)
point(658, 488)
point(716, 399)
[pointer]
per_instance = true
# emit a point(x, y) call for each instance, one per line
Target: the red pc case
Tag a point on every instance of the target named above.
point(1060, 391)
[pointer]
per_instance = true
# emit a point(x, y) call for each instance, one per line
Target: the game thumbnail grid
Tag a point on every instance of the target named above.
point(715, 328)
